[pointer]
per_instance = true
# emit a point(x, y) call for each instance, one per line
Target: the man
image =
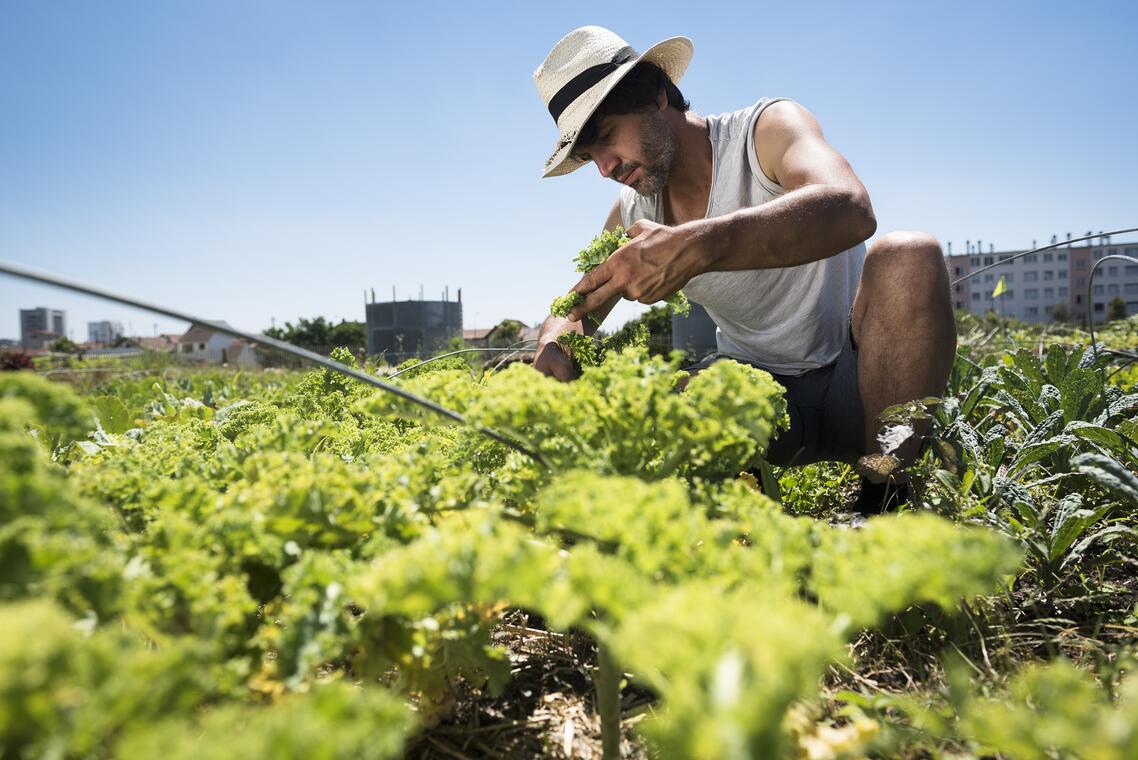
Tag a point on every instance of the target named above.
point(756, 217)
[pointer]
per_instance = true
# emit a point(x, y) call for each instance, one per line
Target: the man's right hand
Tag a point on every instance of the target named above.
point(552, 360)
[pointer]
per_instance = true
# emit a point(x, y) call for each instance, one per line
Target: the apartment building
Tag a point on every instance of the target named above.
point(40, 326)
point(1040, 285)
point(104, 332)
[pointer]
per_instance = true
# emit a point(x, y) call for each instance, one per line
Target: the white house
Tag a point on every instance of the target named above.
point(202, 344)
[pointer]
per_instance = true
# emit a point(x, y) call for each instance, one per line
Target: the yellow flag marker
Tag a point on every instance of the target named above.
point(1001, 286)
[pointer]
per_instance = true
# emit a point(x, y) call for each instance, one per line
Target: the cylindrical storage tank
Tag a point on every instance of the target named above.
point(401, 329)
point(694, 333)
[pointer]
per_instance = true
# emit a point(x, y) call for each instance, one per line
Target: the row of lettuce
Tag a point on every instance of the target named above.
point(294, 565)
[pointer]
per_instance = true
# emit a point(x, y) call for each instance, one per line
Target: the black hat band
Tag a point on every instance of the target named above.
point(579, 84)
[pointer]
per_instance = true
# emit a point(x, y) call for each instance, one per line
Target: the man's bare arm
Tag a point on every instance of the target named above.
point(825, 210)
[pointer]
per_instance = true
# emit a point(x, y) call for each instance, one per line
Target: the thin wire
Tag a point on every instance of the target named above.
point(501, 349)
point(965, 358)
point(1065, 243)
point(509, 356)
point(1129, 360)
point(261, 340)
point(1090, 295)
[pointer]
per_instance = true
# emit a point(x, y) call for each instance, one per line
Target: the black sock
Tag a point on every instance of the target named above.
point(876, 498)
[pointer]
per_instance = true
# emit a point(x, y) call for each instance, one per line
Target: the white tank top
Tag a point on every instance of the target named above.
point(788, 320)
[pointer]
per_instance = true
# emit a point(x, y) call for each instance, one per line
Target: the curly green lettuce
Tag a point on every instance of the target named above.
point(592, 256)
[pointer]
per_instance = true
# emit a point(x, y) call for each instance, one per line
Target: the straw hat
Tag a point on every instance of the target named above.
point(582, 69)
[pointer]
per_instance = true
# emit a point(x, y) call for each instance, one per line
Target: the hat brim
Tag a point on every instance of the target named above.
point(672, 55)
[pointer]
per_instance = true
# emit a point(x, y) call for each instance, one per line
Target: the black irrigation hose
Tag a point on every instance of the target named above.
point(1129, 360)
point(500, 350)
point(261, 340)
point(1090, 294)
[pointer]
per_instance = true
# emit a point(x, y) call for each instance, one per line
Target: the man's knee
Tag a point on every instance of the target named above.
point(907, 260)
point(906, 244)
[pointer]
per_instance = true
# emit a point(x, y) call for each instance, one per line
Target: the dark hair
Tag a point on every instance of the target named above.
point(635, 93)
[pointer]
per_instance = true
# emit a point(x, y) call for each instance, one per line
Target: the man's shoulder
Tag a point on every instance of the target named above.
point(732, 124)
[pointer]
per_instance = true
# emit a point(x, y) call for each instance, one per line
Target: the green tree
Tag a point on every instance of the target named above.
point(508, 332)
point(1059, 312)
point(350, 334)
point(318, 334)
point(67, 346)
point(658, 321)
point(1116, 309)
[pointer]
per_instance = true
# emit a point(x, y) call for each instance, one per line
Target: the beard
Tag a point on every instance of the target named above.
point(659, 150)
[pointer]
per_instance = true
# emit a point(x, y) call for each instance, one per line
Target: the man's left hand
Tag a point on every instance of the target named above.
point(654, 264)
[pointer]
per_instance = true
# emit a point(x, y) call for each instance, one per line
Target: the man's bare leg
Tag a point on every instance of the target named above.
point(904, 328)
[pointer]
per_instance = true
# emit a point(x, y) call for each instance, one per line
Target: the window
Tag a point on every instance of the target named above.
point(1098, 307)
point(1131, 288)
point(1111, 271)
point(1047, 257)
point(1130, 252)
point(1031, 294)
point(1032, 311)
point(1131, 270)
point(1030, 276)
point(974, 261)
point(1099, 254)
point(1005, 256)
point(1049, 293)
point(1062, 292)
point(1098, 290)
point(1081, 281)
point(1062, 274)
point(1112, 289)
point(1081, 264)
point(1030, 258)
point(988, 260)
point(1009, 293)
point(975, 296)
point(1061, 257)
point(989, 277)
point(1048, 274)
point(975, 280)
point(956, 271)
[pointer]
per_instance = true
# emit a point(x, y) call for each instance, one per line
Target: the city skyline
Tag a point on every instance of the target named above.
point(274, 161)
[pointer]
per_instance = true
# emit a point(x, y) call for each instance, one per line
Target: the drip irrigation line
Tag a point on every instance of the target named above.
point(264, 341)
point(511, 355)
point(1129, 360)
point(500, 350)
point(1090, 294)
point(965, 358)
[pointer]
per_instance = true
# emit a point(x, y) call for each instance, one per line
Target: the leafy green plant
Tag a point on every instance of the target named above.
point(595, 254)
point(268, 532)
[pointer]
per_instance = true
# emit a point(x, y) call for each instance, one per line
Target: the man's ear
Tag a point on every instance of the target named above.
point(661, 99)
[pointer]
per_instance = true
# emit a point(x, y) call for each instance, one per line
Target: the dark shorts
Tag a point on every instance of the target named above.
point(826, 418)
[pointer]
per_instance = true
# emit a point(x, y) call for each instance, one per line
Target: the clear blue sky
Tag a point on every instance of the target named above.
point(252, 160)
